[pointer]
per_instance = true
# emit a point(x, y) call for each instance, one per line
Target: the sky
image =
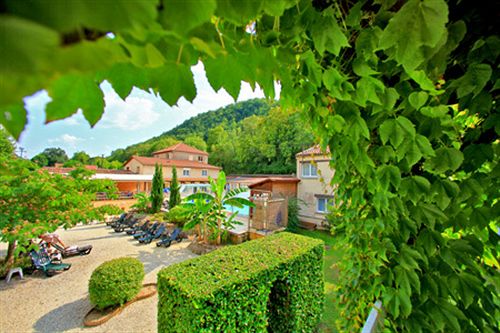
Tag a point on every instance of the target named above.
point(140, 117)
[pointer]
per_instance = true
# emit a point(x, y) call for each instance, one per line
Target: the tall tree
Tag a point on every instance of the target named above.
point(81, 157)
point(41, 160)
point(157, 189)
point(196, 141)
point(175, 195)
point(35, 202)
point(54, 155)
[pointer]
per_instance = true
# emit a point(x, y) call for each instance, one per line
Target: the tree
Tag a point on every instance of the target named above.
point(81, 157)
point(196, 141)
point(35, 202)
point(157, 190)
point(53, 155)
point(403, 92)
point(72, 164)
point(41, 160)
point(209, 210)
point(117, 165)
point(175, 195)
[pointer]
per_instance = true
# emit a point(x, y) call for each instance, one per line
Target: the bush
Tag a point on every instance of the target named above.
point(115, 282)
point(160, 217)
point(293, 215)
point(177, 215)
point(271, 284)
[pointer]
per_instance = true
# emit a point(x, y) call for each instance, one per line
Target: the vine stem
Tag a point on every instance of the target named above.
point(179, 55)
point(219, 33)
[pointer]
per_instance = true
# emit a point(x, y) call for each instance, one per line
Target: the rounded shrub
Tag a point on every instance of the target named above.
point(115, 282)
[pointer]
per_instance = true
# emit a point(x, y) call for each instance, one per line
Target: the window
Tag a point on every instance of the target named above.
point(185, 172)
point(309, 170)
point(200, 158)
point(323, 204)
point(204, 173)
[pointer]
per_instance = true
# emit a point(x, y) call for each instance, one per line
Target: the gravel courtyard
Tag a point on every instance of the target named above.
point(59, 303)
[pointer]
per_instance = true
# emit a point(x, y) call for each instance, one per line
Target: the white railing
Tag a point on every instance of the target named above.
point(374, 320)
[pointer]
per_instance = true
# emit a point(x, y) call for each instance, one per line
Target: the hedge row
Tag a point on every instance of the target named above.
point(273, 283)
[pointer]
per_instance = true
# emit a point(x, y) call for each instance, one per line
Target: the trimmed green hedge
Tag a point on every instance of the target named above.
point(274, 283)
point(115, 282)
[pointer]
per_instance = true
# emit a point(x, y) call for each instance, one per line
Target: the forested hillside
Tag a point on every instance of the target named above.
point(247, 137)
point(194, 131)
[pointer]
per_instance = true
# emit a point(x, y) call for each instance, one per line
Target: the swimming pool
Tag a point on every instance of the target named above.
point(241, 211)
point(245, 211)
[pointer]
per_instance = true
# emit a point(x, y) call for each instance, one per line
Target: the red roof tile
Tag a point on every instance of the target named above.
point(183, 148)
point(275, 180)
point(62, 170)
point(177, 163)
point(314, 150)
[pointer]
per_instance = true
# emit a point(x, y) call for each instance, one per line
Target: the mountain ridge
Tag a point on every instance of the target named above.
point(196, 128)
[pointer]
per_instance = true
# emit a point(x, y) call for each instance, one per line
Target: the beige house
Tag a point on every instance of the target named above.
point(314, 191)
point(191, 164)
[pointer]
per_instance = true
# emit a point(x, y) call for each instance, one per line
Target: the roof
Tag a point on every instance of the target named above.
point(122, 177)
point(177, 163)
point(64, 171)
point(275, 180)
point(254, 180)
point(314, 150)
point(183, 148)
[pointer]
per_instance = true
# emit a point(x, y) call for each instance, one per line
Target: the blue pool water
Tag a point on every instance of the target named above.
point(241, 211)
point(245, 211)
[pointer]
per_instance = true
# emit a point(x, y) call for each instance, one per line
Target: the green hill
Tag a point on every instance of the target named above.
point(194, 131)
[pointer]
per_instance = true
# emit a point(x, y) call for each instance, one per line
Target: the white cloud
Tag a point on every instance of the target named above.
point(132, 114)
point(73, 121)
point(67, 140)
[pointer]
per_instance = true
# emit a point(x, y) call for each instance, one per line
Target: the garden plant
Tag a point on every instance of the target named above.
point(209, 209)
point(115, 282)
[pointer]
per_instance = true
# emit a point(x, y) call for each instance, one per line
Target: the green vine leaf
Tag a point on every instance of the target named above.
point(445, 159)
point(123, 77)
point(72, 92)
point(13, 118)
point(239, 12)
point(194, 13)
point(118, 15)
point(327, 36)
point(224, 71)
point(416, 25)
point(164, 77)
point(417, 99)
point(39, 43)
point(474, 80)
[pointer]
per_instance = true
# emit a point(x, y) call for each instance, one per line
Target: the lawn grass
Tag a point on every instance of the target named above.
point(332, 256)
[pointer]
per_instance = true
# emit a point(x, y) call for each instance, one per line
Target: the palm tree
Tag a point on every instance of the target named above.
point(211, 207)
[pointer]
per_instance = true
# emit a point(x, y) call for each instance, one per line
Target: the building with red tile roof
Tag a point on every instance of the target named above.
point(191, 164)
point(180, 148)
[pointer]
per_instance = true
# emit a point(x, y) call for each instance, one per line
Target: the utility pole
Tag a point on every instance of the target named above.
point(21, 151)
